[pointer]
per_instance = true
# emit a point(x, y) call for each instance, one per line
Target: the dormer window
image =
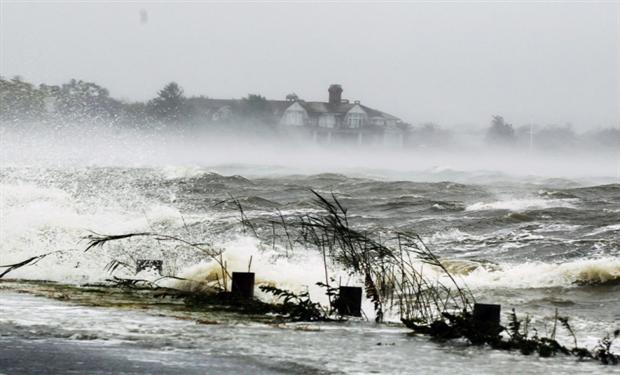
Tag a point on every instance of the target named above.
point(355, 120)
point(294, 115)
point(295, 118)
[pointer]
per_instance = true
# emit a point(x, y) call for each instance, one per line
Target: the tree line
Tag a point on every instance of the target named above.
point(534, 137)
point(77, 101)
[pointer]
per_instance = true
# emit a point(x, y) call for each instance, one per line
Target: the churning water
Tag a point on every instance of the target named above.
point(530, 243)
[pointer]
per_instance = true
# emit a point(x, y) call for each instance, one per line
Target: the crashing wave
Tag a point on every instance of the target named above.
point(447, 206)
point(601, 271)
point(462, 267)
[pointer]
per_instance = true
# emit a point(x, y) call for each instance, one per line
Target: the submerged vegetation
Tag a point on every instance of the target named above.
point(463, 325)
point(390, 263)
point(400, 275)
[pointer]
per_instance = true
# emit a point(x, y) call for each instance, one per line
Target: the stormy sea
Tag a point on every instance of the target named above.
point(540, 245)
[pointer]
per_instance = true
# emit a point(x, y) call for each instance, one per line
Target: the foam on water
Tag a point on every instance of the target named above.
point(37, 220)
point(299, 272)
point(174, 172)
point(542, 275)
point(452, 235)
point(523, 204)
point(607, 228)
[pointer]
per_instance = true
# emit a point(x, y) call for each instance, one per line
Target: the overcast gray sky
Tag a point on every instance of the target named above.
point(452, 63)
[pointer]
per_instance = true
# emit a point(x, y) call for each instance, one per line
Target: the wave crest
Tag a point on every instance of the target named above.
point(601, 271)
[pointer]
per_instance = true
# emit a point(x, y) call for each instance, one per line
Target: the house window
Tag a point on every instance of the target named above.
point(355, 120)
point(327, 121)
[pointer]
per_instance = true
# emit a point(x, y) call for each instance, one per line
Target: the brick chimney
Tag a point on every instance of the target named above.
point(335, 94)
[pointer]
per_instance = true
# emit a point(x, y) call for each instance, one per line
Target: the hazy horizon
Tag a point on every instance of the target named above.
point(454, 64)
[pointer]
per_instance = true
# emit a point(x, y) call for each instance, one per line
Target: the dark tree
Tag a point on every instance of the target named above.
point(80, 99)
point(255, 108)
point(20, 100)
point(169, 103)
point(500, 132)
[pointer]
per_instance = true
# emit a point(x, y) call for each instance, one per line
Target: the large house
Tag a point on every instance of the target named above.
point(337, 120)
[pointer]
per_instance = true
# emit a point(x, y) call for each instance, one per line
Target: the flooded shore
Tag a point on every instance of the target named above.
point(79, 337)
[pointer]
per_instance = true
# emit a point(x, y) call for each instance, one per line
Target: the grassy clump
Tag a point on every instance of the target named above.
point(297, 307)
point(389, 263)
point(463, 325)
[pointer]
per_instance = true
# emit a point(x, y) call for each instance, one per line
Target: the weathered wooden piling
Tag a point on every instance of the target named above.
point(149, 264)
point(350, 301)
point(243, 285)
point(487, 316)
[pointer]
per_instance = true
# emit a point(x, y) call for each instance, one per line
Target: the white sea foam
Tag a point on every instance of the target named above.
point(542, 275)
point(174, 172)
point(36, 220)
point(522, 204)
point(452, 235)
point(298, 273)
point(557, 227)
point(607, 228)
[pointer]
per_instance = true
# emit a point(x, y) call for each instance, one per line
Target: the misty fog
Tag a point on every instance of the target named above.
point(241, 152)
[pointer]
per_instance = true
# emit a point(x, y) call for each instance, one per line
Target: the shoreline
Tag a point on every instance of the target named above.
point(96, 330)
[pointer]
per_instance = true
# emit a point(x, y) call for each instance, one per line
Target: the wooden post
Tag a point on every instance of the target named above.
point(149, 264)
point(349, 301)
point(487, 316)
point(243, 285)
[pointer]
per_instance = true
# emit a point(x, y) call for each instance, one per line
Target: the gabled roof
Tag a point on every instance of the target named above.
point(376, 113)
point(318, 108)
point(279, 106)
